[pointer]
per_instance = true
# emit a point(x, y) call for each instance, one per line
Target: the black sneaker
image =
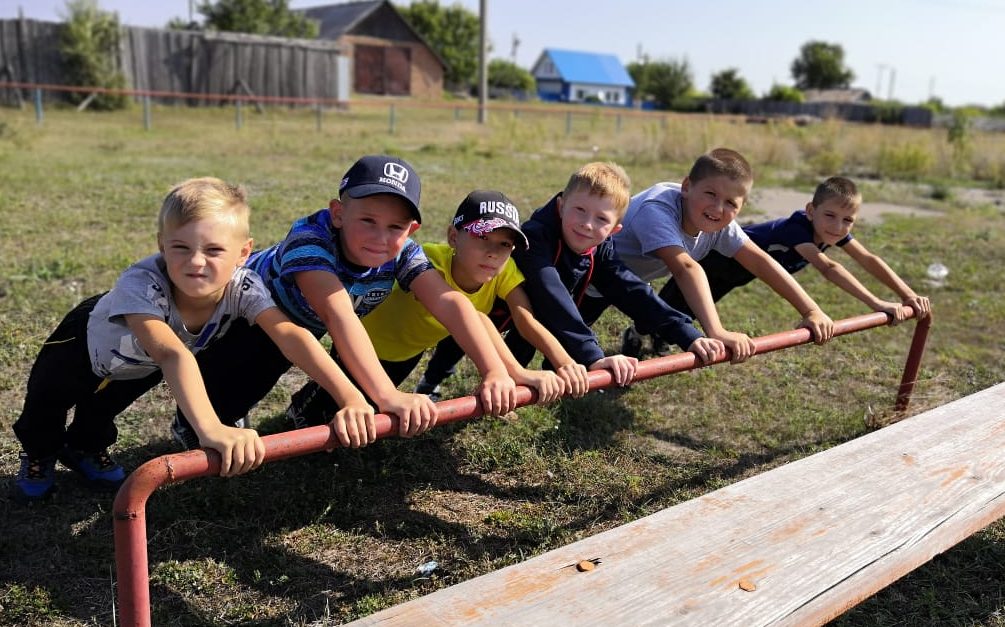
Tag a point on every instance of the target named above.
point(631, 342)
point(434, 392)
point(310, 406)
point(659, 346)
point(36, 480)
point(98, 469)
point(184, 434)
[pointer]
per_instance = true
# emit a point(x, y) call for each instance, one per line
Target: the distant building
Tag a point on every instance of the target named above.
point(387, 56)
point(837, 95)
point(570, 76)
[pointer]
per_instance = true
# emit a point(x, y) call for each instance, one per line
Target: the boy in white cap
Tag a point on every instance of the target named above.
point(476, 261)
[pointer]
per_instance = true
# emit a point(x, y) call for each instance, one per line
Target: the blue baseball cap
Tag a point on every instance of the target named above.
point(382, 174)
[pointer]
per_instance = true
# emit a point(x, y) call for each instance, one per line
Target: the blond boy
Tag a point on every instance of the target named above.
point(571, 250)
point(162, 312)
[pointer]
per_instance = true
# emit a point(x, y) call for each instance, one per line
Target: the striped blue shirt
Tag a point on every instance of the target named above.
point(313, 244)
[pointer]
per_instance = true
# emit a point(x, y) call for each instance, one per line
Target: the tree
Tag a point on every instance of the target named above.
point(820, 65)
point(260, 17)
point(453, 32)
point(89, 43)
point(507, 75)
point(729, 85)
point(664, 81)
point(784, 93)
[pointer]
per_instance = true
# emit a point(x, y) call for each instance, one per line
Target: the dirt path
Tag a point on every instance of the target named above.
point(770, 203)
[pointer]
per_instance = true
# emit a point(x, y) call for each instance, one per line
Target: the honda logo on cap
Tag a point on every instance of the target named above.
point(396, 171)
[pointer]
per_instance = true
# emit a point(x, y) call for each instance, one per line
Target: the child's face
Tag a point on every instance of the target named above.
point(201, 256)
point(587, 219)
point(711, 203)
point(832, 220)
point(373, 229)
point(477, 260)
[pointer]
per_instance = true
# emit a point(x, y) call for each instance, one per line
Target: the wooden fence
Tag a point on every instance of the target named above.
point(187, 61)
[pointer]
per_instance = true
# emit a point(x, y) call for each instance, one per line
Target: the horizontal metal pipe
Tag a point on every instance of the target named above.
point(129, 506)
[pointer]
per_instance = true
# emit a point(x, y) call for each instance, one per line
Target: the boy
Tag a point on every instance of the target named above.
point(333, 268)
point(570, 250)
point(669, 227)
point(476, 261)
point(112, 348)
point(802, 239)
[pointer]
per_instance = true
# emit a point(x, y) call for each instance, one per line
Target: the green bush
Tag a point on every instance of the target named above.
point(907, 162)
point(89, 44)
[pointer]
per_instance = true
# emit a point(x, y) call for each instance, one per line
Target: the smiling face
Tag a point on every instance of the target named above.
point(712, 203)
point(479, 258)
point(832, 220)
point(587, 219)
point(201, 256)
point(372, 229)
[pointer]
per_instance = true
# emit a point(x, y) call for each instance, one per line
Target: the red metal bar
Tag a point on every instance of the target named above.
point(129, 507)
point(910, 376)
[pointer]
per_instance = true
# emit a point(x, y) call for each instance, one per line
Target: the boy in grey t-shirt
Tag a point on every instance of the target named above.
point(669, 227)
point(112, 348)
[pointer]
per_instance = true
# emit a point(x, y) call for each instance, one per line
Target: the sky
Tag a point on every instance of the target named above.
point(909, 50)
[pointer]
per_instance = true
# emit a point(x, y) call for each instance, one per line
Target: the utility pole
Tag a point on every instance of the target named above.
point(879, 79)
point(893, 75)
point(483, 75)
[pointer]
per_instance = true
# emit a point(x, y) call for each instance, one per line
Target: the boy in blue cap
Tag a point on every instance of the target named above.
point(333, 268)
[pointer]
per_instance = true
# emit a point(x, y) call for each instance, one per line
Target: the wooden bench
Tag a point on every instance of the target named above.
point(797, 545)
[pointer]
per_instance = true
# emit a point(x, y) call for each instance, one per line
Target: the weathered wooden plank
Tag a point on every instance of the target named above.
point(813, 537)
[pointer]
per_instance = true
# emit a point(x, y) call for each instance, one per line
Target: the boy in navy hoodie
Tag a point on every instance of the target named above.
point(570, 249)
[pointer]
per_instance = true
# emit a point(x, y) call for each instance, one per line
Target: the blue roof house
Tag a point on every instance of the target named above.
point(571, 76)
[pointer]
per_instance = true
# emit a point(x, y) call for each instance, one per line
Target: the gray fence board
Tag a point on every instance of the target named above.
point(181, 61)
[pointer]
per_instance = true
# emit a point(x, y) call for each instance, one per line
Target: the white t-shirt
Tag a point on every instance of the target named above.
point(654, 220)
point(144, 288)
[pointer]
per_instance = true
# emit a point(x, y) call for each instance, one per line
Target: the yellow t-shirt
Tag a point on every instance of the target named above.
point(401, 327)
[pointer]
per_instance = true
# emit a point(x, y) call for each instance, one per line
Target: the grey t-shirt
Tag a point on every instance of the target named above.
point(654, 220)
point(144, 288)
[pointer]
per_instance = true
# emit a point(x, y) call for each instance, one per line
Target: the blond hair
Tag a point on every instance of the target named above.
point(722, 162)
point(199, 198)
point(602, 179)
point(840, 188)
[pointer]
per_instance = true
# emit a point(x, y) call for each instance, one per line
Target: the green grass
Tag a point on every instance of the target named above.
point(332, 537)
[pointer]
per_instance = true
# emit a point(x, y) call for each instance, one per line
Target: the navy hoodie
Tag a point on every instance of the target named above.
point(556, 278)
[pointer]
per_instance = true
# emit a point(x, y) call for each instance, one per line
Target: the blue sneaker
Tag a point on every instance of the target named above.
point(36, 479)
point(98, 469)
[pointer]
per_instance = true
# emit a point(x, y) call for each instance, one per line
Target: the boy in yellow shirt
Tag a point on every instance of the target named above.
point(476, 261)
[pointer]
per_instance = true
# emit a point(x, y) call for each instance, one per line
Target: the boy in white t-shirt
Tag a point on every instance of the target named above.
point(669, 227)
point(164, 309)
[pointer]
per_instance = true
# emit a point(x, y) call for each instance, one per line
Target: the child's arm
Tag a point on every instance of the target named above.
point(497, 390)
point(549, 385)
point(878, 268)
point(353, 423)
point(840, 276)
point(240, 450)
point(693, 285)
point(761, 265)
point(328, 298)
point(574, 375)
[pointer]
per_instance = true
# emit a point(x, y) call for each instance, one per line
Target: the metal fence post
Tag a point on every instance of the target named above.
point(390, 120)
point(238, 118)
point(39, 114)
point(317, 118)
point(146, 113)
